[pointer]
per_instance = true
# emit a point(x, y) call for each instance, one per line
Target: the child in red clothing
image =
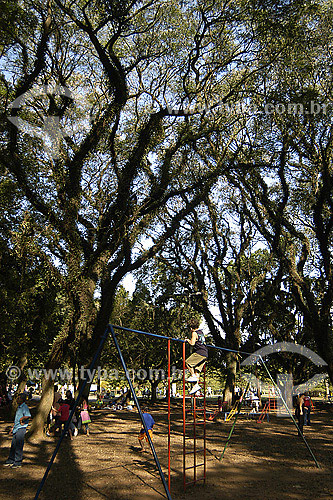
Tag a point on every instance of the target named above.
point(63, 414)
point(219, 409)
point(307, 408)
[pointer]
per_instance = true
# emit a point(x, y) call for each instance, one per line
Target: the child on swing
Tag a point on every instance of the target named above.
point(150, 422)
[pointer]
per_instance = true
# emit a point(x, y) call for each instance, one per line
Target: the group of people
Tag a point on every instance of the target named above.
point(60, 414)
point(61, 408)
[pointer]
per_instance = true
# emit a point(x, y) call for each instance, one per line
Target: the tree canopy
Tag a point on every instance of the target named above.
point(120, 121)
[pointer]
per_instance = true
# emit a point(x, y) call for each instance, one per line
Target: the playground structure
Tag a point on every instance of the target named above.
point(196, 424)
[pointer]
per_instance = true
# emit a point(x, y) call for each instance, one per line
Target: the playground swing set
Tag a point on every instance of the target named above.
point(197, 423)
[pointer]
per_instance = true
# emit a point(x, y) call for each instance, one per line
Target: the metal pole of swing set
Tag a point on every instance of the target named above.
point(169, 414)
point(140, 413)
point(163, 337)
point(184, 418)
point(286, 407)
point(90, 370)
point(205, 449)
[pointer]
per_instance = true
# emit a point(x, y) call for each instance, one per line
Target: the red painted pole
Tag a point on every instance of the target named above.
point(169, 413)
point(184, 418)
point(194, 441)
point(204, 369)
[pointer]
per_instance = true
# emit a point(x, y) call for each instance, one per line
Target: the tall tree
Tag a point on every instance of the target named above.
point(105, 101)
point(214, 261)
point(287, 188)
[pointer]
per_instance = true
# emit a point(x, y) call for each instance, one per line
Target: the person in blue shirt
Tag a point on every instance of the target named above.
point(150, 422)
point(19, 428)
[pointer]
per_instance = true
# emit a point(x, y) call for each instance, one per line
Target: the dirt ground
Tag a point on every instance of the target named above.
point(262, 461)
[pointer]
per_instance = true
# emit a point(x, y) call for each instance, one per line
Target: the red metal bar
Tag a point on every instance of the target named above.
point(199, 479)
point(169, 413)
point(204, 370)
point(184, 418)
point(194, 467)
point(194, 440)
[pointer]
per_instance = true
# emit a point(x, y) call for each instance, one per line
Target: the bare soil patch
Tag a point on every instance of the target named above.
point(263, 461)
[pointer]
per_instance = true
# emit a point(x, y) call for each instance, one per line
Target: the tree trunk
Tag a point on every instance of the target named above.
point(330, 368)
point(37, 426)
point(73, 375)
point(229, 389)
point(154, 384)
point(57, 356)
point(21, 363)
point(322, 332)
point(101, 323)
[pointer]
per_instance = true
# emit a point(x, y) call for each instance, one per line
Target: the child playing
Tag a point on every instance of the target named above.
point(307, 408)
point(150, 422)
point(63, 413)
point(219, 409)
point(84, 414)
point(197, 360)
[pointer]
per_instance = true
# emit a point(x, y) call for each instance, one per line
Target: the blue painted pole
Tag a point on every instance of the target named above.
point(177, 340)
point(90, 371)
point(300, 433)
point(136, 401)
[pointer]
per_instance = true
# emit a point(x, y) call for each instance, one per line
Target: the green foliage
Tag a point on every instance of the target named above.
point(142, 141)
point(151, 309)
point(16, 24)
point(30, 306)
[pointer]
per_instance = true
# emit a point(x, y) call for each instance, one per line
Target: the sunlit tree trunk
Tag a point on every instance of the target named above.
point(231, 371)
